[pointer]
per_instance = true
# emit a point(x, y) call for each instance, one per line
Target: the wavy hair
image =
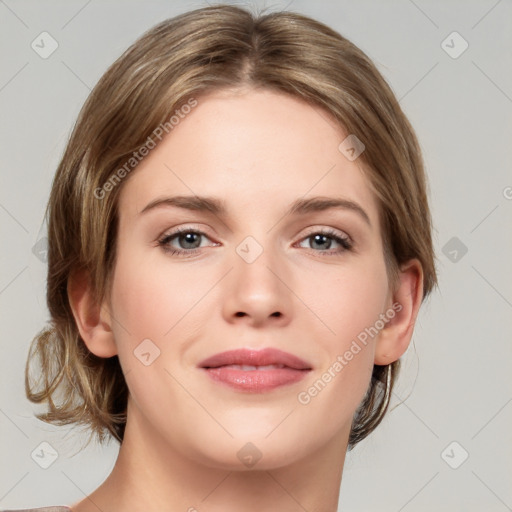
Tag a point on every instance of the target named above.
point(207, 49)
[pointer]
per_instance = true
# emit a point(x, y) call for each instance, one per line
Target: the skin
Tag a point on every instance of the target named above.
point(258, 151)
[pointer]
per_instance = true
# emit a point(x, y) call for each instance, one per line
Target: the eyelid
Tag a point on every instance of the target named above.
point(183, 229)
point(328, 229)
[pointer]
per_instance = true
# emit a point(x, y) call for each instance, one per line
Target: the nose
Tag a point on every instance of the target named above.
point(258, 293)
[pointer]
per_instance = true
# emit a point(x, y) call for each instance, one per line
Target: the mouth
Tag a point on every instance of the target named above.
point(255, 370)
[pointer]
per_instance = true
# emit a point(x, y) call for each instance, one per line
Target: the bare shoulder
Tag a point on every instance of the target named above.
point(58, 508)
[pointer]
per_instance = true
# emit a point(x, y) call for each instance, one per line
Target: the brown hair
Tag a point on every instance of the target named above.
point(212, 48)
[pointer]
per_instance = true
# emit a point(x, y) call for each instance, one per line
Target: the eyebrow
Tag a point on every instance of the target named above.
point(298, 207)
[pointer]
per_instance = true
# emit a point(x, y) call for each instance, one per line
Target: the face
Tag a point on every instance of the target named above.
point(247, 273)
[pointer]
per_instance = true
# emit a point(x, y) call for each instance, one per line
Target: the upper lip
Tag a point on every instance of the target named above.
point(252, 357)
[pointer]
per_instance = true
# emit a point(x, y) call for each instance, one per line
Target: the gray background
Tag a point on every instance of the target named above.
point(456, 379)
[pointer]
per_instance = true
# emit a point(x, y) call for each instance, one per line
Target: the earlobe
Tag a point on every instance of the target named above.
point(92, 319)
point(395, 337)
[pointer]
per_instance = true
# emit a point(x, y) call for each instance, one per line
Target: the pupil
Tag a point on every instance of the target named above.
point(189, 238)
point(319, 238)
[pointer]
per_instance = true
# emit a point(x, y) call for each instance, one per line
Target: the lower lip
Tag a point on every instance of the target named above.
point(256, 380)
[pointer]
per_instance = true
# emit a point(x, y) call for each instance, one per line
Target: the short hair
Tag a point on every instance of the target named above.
point(204, 50)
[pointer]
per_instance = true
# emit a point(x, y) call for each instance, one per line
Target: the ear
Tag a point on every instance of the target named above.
point(93, 320)
point(405, 302)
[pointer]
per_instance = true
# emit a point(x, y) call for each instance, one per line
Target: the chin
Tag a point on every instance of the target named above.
point(249, 454)
point(264, 446)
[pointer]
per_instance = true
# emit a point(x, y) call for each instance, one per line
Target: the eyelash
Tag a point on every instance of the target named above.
point(344, 241)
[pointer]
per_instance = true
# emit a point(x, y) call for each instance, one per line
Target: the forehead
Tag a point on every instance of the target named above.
point(254, 150)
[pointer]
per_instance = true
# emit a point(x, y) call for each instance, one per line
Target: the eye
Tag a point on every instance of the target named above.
point(188, 241)
point(324, 239)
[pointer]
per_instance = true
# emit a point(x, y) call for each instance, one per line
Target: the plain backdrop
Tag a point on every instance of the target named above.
point(448, 445)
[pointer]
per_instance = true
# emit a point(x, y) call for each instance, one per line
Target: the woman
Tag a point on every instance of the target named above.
point(239, 244)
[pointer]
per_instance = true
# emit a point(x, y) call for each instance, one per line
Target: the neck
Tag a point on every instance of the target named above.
point(151, 475)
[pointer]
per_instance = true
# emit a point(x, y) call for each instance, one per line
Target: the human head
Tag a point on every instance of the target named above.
point(159, 76)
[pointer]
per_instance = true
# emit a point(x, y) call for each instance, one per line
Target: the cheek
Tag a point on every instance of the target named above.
point(153, 310)
point(149, 300)
point(350, 309)
point(346, 300)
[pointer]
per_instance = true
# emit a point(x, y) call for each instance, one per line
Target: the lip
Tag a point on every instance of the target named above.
point(224, 368)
